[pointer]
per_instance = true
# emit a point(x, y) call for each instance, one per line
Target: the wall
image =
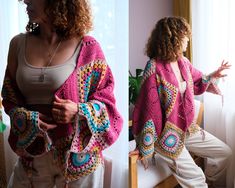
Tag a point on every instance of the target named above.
point(143, 15)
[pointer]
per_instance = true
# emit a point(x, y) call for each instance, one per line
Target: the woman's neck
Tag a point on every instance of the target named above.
point(48, 35)
point(173, 62)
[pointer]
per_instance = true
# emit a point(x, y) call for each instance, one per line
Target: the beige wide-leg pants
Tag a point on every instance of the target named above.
point(50, 176)
point(203, 144)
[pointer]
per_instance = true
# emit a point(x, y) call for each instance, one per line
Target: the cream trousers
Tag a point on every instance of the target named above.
point(50, 176)
point(216, 153)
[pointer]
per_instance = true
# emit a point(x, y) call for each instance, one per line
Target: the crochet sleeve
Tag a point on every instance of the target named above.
point(97, 106)
point(202, 83)
point(24, 123)
point(147, 114)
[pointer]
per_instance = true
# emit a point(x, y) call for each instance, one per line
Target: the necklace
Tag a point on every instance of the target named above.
point(43, 69)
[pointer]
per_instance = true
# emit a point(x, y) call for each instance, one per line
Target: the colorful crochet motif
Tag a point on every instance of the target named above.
point(149, 70)
point(206, 78)
point(77, 146)
point(86, 140)
point(89, 76)
point(25, 125)
point(194, 128)
point(79, 159)
point(171, 141)
point(212, 84)
point(147, 139)
point(80, 165)
point(84, 136)
point(167, 94)
point(160, 101)
point(190, 83)
point(96, 116)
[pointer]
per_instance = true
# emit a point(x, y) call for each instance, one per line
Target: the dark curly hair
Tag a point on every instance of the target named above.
point(165, 40)
point(69, 18)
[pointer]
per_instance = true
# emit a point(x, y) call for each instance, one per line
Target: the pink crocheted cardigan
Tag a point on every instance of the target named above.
point(162, 115)
point(78, 146)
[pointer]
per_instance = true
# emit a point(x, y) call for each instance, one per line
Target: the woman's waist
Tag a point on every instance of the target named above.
point(41, 108)
point(61, 130)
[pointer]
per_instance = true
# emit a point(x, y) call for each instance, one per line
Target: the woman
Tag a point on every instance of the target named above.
point(58, 92)
point(163, 118)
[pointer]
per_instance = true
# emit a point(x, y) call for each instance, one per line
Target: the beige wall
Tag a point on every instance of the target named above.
point(143, 15)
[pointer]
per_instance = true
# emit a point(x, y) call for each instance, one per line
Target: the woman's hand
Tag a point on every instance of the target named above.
point(45, 122)
point(135, 152)
point(144, 161)
point(64, 110)
point(218, 72)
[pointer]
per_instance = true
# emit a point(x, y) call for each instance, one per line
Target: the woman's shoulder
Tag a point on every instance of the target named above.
point(90, 50)
point(159, 64)
point(150, 69)
point(91, 45)
point(184, 62)
point(184, 59)
point(151, 64)
point(13, 53)
point(15, 44)
point(18, 37)
point(16, 40)
point(89, 40)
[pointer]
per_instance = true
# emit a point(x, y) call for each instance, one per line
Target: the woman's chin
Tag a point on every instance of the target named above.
point(184, 50)
point(32, 19)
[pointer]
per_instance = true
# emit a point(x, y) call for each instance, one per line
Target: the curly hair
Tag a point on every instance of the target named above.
point(69, 18)
point(165, 41)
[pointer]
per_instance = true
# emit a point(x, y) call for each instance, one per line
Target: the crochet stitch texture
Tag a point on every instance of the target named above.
point(161, 115)
point(78, 146)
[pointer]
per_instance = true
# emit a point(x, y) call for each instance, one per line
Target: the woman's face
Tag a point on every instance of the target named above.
point(35, 10)
point(185, 43)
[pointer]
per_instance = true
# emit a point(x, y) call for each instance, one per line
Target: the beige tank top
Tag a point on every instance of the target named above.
point(28, 77)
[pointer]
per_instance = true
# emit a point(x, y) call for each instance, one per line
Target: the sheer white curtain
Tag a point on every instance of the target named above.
point(12, 21)
point(213, 41)
point(111, 30)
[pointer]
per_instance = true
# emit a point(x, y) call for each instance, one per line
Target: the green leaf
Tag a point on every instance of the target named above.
point(135, 85)
point(138, 72)
point(2, 127)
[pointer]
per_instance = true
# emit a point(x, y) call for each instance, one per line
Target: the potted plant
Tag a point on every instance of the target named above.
point(134, 85)
point(134, 88)
point(2, 125)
